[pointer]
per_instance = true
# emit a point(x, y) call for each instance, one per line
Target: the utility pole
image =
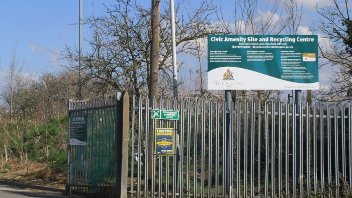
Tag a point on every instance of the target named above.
point(79, 84)
point(154, 72)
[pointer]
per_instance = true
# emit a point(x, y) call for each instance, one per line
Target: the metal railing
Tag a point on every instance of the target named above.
point(97, 166)
point(276, 150)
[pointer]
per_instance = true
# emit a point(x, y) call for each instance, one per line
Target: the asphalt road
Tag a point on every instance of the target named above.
point(7, 191)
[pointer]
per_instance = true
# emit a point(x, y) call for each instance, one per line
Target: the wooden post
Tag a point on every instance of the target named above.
point(122, 140)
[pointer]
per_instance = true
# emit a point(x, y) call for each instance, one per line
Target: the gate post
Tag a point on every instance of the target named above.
point(122, 140)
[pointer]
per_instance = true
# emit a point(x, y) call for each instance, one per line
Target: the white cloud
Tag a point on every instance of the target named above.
point(264, 17)
point(34, 48)
point(307, 3)
point(314, 3)
point(304, 30)
point(239, 27)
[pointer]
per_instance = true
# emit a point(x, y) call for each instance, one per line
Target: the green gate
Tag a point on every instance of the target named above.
point(95, 147)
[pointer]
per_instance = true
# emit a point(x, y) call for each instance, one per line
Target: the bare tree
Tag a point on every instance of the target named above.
point(254, 17)
point(119, 57)
point(336, 26)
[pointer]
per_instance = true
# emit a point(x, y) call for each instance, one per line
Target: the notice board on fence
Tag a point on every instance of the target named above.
point(78, 129)
point(164, 141)
point(263, 62)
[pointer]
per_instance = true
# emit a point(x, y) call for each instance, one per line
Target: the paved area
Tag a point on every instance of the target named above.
point(7, 191)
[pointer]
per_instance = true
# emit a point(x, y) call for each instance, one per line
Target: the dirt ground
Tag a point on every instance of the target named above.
point(32, 173)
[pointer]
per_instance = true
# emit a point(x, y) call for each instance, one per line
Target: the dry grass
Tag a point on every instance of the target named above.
point(32, 173)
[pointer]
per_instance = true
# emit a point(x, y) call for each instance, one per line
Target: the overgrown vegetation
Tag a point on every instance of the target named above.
point(44, 143)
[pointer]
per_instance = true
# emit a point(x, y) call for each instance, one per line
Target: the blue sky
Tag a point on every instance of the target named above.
point(38, 30)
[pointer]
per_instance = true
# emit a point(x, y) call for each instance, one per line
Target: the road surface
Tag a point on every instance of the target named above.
point(7, 191)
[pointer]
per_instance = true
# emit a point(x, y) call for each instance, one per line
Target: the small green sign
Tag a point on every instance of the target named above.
point(159, 114)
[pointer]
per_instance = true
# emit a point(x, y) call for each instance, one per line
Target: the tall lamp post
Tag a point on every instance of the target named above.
point(79, 89)
point(173, 37)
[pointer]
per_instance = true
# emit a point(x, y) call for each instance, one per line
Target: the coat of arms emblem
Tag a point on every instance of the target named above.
point(228, 75)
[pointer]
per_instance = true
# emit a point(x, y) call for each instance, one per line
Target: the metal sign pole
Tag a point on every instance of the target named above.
point(228, 171)
point(298, 102)
point(173, 35)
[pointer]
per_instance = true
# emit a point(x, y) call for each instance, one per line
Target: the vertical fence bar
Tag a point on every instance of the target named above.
point(266, 131)
point(139, 147)
point(273, 145)
point(210, 146)
point(308, 159)
point(343, 143)
point(253, 113)
point(224, 148)
point(160, 174)
point(279, 150)
point(217, 145)
point(336, 152)
point(232, 139)
point(132, 141)
point(350, 143)
point(287, 149)
point(300, 171)
point(195, 148)
point(147, 136)
point(245, 145)
point(189, 129)
point(238, 164)
point(329, 146)
point(167, 158)
point(294, 151)
point(322, 153)
point(202, 165)
point(175, 163)
point(315, 174)
point(182, 146)
point(154, 104)
point(259, 145)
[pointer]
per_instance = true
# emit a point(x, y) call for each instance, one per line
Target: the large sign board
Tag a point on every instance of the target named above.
point(263, 62)
point(164, 141)
point(78, 129)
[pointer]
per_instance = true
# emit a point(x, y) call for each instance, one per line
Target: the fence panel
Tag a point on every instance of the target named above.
point(92, 165)
point(274, 149)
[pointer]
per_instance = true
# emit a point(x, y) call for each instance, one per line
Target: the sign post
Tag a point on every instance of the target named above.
point(228, 146)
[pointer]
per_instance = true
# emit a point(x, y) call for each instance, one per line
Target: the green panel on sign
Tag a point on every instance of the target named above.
point(291, 58)
point(165, 114)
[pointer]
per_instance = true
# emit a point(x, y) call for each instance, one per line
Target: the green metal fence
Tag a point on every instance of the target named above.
point(94, 151)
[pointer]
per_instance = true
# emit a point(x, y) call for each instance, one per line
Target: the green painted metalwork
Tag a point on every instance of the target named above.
point(92, 167)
